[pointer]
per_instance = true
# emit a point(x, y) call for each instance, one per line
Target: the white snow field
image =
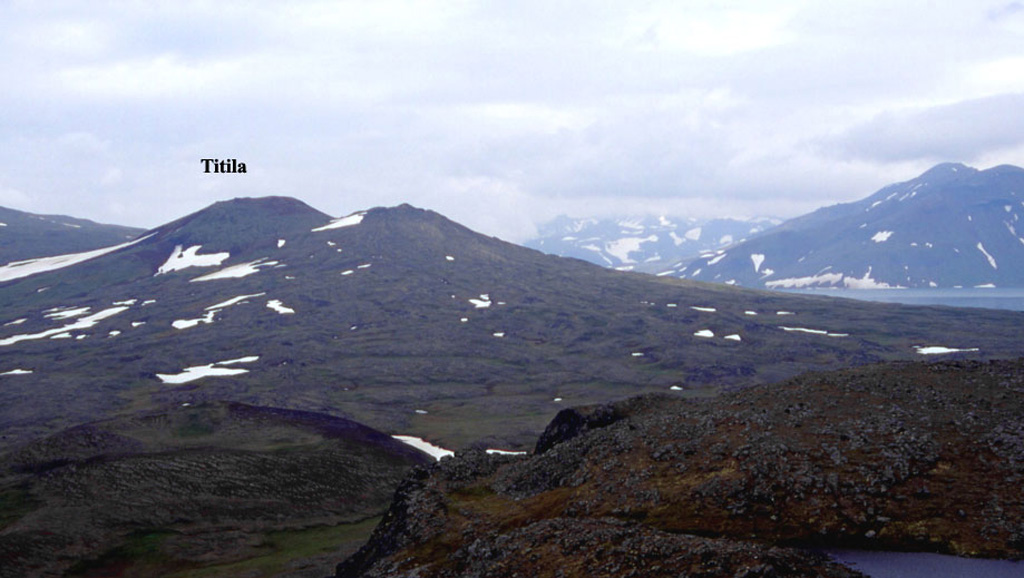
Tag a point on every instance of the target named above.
point(435, 452)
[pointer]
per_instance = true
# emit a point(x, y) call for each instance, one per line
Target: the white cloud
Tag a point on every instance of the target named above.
point(499, 114)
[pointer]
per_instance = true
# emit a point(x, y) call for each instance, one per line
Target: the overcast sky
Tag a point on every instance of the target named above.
point(500, 115)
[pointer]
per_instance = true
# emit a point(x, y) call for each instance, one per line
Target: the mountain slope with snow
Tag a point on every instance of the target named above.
point(953, 226)
point(642, 243)
point(410, 323)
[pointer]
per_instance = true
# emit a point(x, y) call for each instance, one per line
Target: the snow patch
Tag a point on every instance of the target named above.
point(621, 248)
point(733, 337)
point(799, 282)
point(498, 334)
point(704, 309)
point(506, 452)
point(276, 305)
point(991, 260)
point(188, 323)
point(483, 302)
point(17, 372)
point(436, 452)
point(353, 219)
point(61, 313)
point(758, 260)
point(19, 269)
point(939, 350)
point(866, 282)
point(716, 259)
point(813, 331)
point(693, 234)
point(704, 333)
point(83, 323)
point(190, 258)
point(233, 301)
point(449, 258)
point(237, 271)
point(211, 369)
point(246, 359)
point(281, 242)
point(881, 236)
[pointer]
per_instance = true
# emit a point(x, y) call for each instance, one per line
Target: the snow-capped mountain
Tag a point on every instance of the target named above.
point(642, 243)
point(27, 235)
point(953, 226)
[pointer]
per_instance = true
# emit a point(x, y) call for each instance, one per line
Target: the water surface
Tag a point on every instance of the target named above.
point(921, 565)
point(994, 298)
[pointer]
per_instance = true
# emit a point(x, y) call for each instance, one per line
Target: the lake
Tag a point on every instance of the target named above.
point(921, 565)
point(994, 298)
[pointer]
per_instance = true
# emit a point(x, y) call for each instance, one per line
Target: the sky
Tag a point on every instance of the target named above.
point(500, 115)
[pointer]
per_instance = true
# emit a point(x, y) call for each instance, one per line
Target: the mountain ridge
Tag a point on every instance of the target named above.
point(28, 236)
point(953, 226)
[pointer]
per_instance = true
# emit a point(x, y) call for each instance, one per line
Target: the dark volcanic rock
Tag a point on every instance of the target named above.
point(906, 456)
point(571, 422)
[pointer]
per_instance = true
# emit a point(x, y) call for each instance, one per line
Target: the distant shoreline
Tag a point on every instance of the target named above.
point(1011, 298)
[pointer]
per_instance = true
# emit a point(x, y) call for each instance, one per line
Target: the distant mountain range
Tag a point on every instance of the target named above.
point(27, 236)
point(953, 226)
point(643, 242)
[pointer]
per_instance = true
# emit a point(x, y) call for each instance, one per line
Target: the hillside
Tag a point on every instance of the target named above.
point(405, 321)
point(953, 226)
point(28, 236)
point(193, 487)
point(908, 456)
point(642, 243)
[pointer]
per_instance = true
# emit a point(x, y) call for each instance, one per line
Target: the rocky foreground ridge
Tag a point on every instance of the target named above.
point(906, 456)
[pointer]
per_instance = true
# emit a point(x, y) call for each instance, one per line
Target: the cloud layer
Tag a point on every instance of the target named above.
point(500, 115)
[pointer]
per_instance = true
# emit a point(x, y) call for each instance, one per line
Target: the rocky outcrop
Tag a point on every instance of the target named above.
point(572, 422)
point(906, 456)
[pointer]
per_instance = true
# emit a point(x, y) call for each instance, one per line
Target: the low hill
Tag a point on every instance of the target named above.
point(192, 487)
